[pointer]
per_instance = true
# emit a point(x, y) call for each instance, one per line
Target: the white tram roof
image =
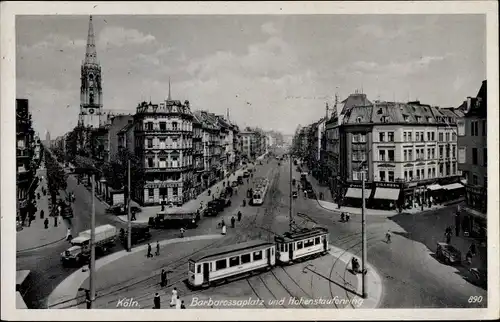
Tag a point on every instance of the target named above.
point(227, 251)
point(301, 234)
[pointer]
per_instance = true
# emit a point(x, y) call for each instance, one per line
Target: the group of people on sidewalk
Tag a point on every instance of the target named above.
point(175, 300)
point(222, 224)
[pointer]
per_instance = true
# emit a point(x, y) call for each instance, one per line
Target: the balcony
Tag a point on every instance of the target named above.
point(168, 130)
point(167, 169)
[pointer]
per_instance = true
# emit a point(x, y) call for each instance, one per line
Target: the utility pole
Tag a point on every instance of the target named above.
point(291, 199)
point(92, 245)
point(363, 233)
point(129, 236)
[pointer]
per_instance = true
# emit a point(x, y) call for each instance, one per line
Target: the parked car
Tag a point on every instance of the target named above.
point(448, 253)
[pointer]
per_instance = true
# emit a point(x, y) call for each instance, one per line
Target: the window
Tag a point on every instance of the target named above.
point(441, 152)
point(382, 175)
point(461, 128)
point(390, 155)
point(433, 172)
point(410, 174)
point(174, 126)
point(391, 176)
point(453, 152)
point(309, 242)
point(257, 255)
point(174, 191)
point(453, 137)
point(150, 162)
point(406, 175)
point(220, 264)
point(234, 261)
point(390, 136)
point(381, 155)
point(433, 136)
point(151, 193)
point(150, 143)
point(149, 126)
point(417, 136)
point(410, 155)
point(409, 137)
point(474, 128)
point(419, 118)
point(299, 245)
point(406, 118)
point(447, 135)
point(474, 155)
point(362, 137)
point(484, 128)
point(429, 173)
point(381, 137)
point(440, 137)
point(191, 267)
point(198, 269)
point(428, 136)
point(405, 153)
point(428, 153)
point(475, 180)
point(404, 137)
point(358, 119)
point(317, 241)
point(485, 157)
point(163, 126)
point(245, 258)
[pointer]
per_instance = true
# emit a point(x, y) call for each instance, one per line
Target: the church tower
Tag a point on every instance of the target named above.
point(91, 89)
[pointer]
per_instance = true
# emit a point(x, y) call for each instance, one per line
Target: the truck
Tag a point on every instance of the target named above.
point(79, 252)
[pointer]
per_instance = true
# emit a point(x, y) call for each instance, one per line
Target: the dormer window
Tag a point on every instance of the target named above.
point(418, 118)
point(358, 119)
point(429, 119)
point(379, 111)
point(384, 119)
point(406, 118)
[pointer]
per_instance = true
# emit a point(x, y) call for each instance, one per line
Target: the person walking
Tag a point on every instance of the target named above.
point(182, 305)
point(163, 277)
point(232, 221)
point(178, 303)
point(388, 237)
point(55, 219)
point(468, 257)
point(223, 228)
point(69, 237)
point(42, 214)
point(448, 236)
point(173, 300)
point(46, 223)
point(149, 251)
point(182, 232)
point(157, 253)
point(239, 215)
point(156, 301)
point(472, 249)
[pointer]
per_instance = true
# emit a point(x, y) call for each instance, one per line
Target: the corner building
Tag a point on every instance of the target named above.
point(163, 142)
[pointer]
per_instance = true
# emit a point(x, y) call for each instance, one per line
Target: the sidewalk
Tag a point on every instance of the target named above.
point(190, 206)
point(36, 236)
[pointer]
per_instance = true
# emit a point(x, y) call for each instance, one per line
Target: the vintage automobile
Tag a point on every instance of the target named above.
point(240, 179)
point(246, 174)
point(448, 254)
point(139, 233)
point(174, 217)
point(234, 183)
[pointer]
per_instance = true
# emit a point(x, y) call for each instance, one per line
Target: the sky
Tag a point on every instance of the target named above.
point(271, 71)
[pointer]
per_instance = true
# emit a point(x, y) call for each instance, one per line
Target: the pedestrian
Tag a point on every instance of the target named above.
point(156, 301)
point(223, 229)
point(468, 257)
point(448, 237)
point(46, 223)
point(236, 190)
point(149, 251)
point(182, 305)
point(178, 303)
point(232, 221)
point(55, 220)
point(157, 253)
point(472, 249)
point(342, 215)
point(182, 232)
point(162, 277)
point(42, 214)
point(69, 237)
point(173, 300)
point(346, 216)
point(388, 237)
point(239, 215)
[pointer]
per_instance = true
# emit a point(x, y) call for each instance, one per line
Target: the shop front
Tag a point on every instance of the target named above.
point(387, 196)
point(353, 195)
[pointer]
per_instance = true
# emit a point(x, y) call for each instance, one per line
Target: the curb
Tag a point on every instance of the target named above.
point(60, 297)
point(375, 285)
point(38, 247)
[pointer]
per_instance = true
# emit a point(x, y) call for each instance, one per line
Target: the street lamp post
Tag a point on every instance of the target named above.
point(92, 246)
point(129, 226)
point(291, 199)
point(363, 233)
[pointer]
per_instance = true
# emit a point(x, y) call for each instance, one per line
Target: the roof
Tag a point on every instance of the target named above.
point(358, 114)
point(126, 128)
point(356, 99)
point(303, 234)
point(225, 251)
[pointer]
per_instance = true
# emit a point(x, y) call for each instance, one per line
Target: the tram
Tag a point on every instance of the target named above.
point(259, 191)
point(235, 261)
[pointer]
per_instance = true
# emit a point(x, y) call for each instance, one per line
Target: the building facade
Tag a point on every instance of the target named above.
point(198, 157)
point(211, 148)
point(25, 167)
point(163, 142)
point(473, 161)
point(91, 85)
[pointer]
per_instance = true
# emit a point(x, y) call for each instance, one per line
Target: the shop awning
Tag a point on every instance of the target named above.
point(434, 187)
point(387, 194)
point(453, 186)
point(356, 193)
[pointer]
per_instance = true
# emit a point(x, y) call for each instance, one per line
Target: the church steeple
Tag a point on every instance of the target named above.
point(169, 98)
point(90, 53)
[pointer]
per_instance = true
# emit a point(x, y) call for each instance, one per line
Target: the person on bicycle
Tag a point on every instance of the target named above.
point(388, 236)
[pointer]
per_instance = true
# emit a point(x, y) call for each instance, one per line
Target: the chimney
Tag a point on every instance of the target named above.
point(469, 103)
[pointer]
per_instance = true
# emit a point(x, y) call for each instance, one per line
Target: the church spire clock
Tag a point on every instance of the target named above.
point(90, 89)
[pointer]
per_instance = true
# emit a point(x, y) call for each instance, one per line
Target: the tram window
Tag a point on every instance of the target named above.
point(309, 242)
point(234, 261)
point(299, 245)
point(198, 269)
point(316, 240)
point(257, 255)
point(220, 264)
point(191, 267)
point(245, 258)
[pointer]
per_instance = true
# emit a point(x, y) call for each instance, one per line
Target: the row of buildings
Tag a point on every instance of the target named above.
point(410, 153)
point(180, 152)
point(28, 155)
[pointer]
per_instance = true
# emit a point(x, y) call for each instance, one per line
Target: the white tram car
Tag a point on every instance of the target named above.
point(225, 263)
point(259, 192)
point(301, 244)
point(230, 261)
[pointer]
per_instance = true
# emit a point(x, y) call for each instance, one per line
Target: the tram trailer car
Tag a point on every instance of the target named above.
point(303, 244)
point(234, 261)
point(224, 263)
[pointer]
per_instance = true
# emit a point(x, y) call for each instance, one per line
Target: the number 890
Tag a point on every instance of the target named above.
point(475, 299)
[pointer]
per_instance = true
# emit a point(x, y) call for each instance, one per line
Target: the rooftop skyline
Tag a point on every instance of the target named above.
point(271, 71)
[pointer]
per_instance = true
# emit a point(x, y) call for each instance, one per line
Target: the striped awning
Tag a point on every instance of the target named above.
point(453, 186)
point(434, 187)
point(387, 194)
point(356, 193)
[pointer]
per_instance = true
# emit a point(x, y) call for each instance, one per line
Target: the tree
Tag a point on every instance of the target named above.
point(115, 172)
point(56, 177)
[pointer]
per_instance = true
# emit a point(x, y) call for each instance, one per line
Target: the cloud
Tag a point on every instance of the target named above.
point(54, 42)
point(395, 68)
point(119, 37)
point(269, 28)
